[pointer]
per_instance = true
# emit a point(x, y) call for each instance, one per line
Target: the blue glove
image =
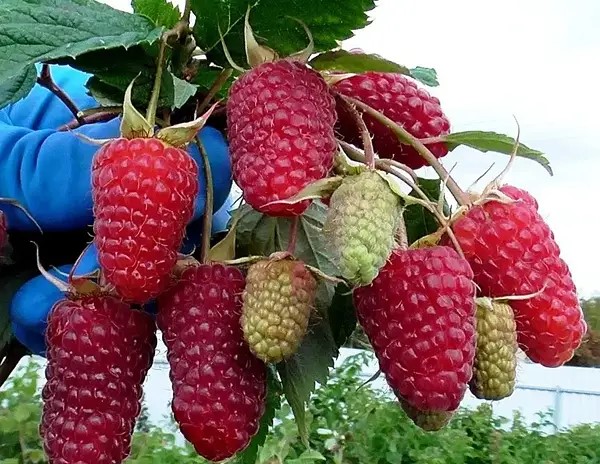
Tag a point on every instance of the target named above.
point(31, 149)
point(48, 172)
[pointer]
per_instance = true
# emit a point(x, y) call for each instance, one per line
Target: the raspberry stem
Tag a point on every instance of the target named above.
point(46, 81)
point(293, 235)
point(406, 137)
point(187, 11)
point(153, 105)
point(364, 134)
point(16, 204)
point(214, 88)
point(208, 208)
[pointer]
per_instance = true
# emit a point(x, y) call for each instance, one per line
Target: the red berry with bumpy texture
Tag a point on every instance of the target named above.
point(143, 192)
point(219, 387)
point(99, 352)
point(513, 252)
point(419, 315)
point(280, 118)
point(401, 100)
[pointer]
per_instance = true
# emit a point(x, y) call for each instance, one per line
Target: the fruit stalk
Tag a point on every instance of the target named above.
point(364, 134)
point(153, 105)
point(46, 81)
point(208, 209)
point(404, 135)
point(215, 87)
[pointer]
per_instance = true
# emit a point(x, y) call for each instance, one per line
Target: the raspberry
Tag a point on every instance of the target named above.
point(278, 300)
point(512, 251)
point(144, 193)
point(419, 315)
point(219, 388)
point(399, 98)
point(280, 117)
point(427, 420)
point(99, 352)
point(495, 365)
point(363, 216)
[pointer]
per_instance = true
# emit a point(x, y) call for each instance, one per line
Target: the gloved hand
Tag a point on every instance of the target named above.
point(48, 173)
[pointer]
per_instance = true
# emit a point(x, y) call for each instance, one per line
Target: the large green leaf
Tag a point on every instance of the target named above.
point(492, 141)
point(33, 31)
point(329, 21)
point(161, 12)
point(17, 87)
point(419, 221)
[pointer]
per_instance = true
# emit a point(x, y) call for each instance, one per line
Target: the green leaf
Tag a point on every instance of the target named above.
point(342, 315)
point(345, 61)
point(419, 221)
point(161, 12)
point(10, 282)
point(182, 91)
point(258, 234)
point(206, 75)
point(42, 30)
point(309, 365)
point(273, 403)
point(328, 22)
point(427, 76)
point(492, 141)
point(18, 87)
point(309, 455)
point(22, 413)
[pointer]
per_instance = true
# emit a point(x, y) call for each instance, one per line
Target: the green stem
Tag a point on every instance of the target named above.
point(364, 135)
point(293, 235)
point(187, 11)
point(214, 88)
point(407, 137)
point(153, 105)
point(208, 208)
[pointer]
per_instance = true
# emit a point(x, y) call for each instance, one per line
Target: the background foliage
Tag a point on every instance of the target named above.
point(347, 424)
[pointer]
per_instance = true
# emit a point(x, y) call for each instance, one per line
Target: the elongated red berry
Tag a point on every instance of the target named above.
point(99, 352)
point(400, 99)
point(513, 252)
point(219, 387)
point(280, 118)
point(143, 192)
point(419, 315)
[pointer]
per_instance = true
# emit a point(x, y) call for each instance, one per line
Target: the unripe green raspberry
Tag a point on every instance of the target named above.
point(278, 299)
point(360, 226)
point(495, 365)
point(430, 421)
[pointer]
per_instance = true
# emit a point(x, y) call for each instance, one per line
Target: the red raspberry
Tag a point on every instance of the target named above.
point(281, 118)
point(99, 352)
point(513, 252)
point(219, 387)
point(144, 192)
point(419, 315)
point(399, 98)
point(3, 231)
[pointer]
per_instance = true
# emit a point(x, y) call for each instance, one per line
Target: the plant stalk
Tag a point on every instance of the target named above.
point(153, 105)
point(208, 208)
point(46, 81)
point(293, 235)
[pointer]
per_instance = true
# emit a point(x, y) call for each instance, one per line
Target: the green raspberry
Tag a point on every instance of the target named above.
point(278, 300)
point(360, 226)
point(430, 421)
point(495, 365)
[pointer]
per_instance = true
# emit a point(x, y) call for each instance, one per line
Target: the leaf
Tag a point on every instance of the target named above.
point(492, 141)
point(182, 91)
point(273, 403)
point(318, 189)
point(345, 61)
point(419, 221)
point(161, 12)
point(427, 76)
point(309, 365)
point(328, 22)
point(10, 282)
point(342, 315)
point(42, 30)
point(18, 87)
point(22, 413)
point(205, 76)
point(258, 234)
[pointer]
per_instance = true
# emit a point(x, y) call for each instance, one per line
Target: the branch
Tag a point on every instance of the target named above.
point(92, 119)
point(46, 81)
point(208, 204)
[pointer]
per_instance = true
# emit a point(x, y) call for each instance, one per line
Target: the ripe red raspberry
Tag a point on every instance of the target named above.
point(419, 315)
point(219, 387)
point(281, 118)
point(513, 252)
point(3, 231)
point(99, 352)
point(143, 192)
point(399, 98)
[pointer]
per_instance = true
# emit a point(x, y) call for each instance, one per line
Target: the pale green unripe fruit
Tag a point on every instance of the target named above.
point(361, 222)
point(430, 421)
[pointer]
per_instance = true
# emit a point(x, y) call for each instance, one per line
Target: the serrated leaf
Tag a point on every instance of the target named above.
point(492, 141)
point(328, 22)
point(273, 403)
point(18, 87)
point(420, 222)
point(258, 234)
point(161, 12)
point(427, 76)
point(309, 455)
point(182, 91)
point(33, 31)
point(300, 373)
point(348, 62)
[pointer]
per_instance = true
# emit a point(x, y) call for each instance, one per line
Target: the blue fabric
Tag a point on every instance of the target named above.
point(48, 172)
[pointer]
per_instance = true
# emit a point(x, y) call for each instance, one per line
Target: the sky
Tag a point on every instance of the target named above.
point(536, 61)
